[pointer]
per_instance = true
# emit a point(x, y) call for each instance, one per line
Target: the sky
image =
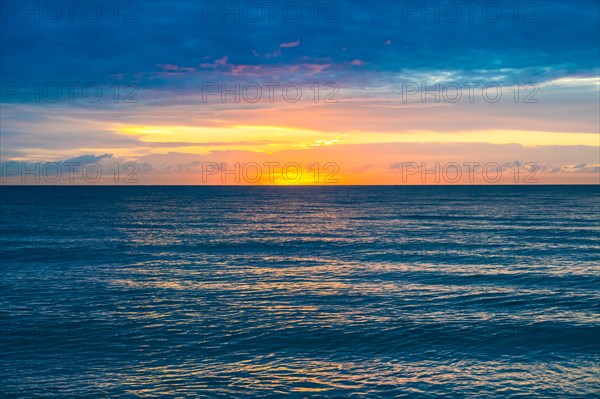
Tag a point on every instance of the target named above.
point(300, 92)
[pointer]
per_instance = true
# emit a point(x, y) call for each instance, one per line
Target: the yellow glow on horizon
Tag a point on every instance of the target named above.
point(269, 139)
point(202, 139)
point(524, 138)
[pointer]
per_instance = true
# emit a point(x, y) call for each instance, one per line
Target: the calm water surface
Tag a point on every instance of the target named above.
point(228, 292)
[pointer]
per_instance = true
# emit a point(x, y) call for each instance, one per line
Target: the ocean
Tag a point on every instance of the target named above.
point(300, 292)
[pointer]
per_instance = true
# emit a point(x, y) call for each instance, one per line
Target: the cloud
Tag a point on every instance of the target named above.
point(172, 36)
point(32, 171)
point(290, 44)
point(570, 169)
point(170, 53)
point(378, 164)
point(175, 68)
point(85, 159)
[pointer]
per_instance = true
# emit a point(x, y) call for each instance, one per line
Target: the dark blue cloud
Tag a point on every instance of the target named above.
point(545, 40)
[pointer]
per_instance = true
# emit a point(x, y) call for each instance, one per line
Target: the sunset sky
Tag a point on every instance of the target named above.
point(189, 85)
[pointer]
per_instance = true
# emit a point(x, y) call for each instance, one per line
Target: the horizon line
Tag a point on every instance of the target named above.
point(301, 185)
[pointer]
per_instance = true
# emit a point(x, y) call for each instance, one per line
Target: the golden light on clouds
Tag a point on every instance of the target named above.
point(269, 139)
